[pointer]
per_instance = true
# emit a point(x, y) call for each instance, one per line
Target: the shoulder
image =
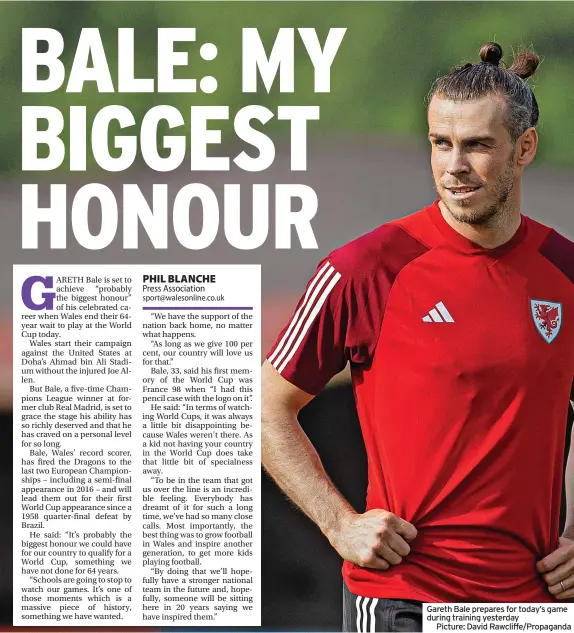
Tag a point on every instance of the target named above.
point(555, 247)
point(386, 249)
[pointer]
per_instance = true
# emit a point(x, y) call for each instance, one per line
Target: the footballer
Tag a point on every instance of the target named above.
point(458, 324)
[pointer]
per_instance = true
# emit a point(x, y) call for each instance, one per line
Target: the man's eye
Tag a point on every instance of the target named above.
point(441, 143)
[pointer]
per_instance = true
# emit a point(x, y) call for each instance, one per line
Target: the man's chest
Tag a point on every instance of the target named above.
point(481, 320)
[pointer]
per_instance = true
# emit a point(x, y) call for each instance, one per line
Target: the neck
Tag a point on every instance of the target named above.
point(496, 232)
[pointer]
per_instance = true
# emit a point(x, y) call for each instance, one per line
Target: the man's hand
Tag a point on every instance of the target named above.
point(375, 539)
point(558, 570)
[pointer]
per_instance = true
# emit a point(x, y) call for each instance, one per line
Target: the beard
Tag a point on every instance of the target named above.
point(492, 211)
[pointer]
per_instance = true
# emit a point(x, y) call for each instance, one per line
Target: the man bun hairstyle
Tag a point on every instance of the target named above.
point(491, 53)
point(474, 81)
point(525, 64)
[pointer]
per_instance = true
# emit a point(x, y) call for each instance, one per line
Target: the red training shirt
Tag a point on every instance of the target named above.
point(462, 362)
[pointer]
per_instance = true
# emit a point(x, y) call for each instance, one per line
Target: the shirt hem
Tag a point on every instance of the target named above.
point(373, 590)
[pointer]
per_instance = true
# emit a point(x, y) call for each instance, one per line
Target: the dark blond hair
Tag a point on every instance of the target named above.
point(473, 81)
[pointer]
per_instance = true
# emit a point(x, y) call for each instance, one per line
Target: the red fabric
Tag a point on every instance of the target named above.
point(339, 316)
point(464, 421)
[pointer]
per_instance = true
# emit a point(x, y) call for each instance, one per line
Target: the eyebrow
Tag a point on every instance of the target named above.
point(471, 139)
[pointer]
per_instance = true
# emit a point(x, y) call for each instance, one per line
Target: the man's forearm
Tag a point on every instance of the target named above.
point(290, 458)
point(376, 539)
point(569, 491)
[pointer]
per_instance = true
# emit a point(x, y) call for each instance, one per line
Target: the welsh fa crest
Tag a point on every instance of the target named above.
point(547, 318)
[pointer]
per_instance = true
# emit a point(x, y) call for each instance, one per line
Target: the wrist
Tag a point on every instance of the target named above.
point(337, 525)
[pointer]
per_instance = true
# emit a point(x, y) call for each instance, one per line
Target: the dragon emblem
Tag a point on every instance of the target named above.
point(547, 318)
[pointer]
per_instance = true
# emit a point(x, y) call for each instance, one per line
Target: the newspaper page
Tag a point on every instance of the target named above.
point(192, 189)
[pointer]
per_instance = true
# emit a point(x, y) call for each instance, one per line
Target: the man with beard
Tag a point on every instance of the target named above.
point(458, 323)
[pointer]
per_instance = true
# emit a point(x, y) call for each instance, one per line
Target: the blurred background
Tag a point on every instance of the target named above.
point(367, 162)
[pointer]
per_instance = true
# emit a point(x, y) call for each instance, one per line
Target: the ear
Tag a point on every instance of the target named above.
point(526, 147)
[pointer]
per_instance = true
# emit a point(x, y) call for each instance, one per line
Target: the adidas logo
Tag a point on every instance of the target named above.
point(439, 314)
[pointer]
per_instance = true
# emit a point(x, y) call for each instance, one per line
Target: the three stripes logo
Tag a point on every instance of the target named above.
point(365, 608)
point(439, 314)
point(321, 285)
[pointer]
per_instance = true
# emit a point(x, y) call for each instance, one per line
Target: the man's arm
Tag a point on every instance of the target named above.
point(558, 566)
point(569, 482)
point(374, 539)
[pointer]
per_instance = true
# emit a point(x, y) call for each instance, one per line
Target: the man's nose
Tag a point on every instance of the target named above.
point(457, 163)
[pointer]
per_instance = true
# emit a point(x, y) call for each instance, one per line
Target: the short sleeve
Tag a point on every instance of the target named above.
point(339, 317)
point(312, 346)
